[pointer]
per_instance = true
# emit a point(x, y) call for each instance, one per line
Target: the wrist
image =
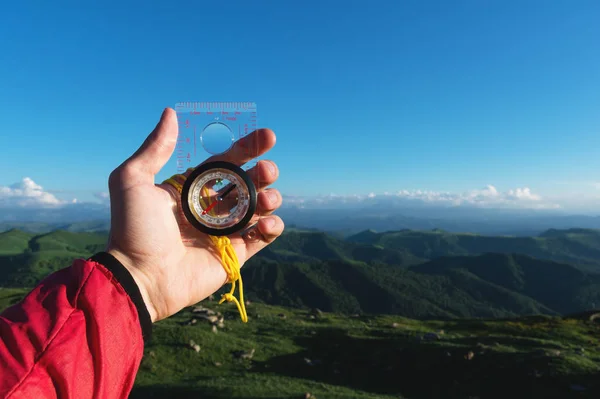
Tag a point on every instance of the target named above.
point(119, 267)
point(141, 281)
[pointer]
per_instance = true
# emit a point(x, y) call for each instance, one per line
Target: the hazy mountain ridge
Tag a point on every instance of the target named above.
point(519, 222)
point(102, 225)
point(336, 218)
point(579, 247)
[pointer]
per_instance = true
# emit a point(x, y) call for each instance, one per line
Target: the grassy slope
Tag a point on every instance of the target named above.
point(333, 356)
point(10, 296)
point(368, 357)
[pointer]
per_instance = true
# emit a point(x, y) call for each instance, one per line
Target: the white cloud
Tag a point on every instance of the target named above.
point(578, 183)
point(103, 197)
point(487, 197)
point(27, 194)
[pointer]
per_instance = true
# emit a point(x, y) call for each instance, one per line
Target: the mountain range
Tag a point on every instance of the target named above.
point(418, 274)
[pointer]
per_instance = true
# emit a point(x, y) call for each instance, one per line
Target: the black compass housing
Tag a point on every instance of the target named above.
point(243, 177)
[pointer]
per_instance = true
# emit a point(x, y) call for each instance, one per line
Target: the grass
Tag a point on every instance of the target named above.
point(365, 356)
point(10, 296)
point(331, 355)
point(335, 356)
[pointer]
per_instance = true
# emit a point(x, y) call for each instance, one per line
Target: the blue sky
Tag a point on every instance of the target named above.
point(365, 97)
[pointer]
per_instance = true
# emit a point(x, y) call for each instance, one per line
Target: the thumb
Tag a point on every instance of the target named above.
point(158, 146)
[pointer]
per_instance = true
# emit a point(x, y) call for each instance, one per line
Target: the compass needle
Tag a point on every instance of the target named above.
point(230, 189)
point(204, 212)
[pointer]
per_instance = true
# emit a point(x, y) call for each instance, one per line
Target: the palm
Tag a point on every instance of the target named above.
point(163, 250)
point(199, 250)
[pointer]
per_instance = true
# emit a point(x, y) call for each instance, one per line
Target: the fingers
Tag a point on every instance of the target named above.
point(264, 174)
point(269, 201)
point(245, 149)
point(269, 228)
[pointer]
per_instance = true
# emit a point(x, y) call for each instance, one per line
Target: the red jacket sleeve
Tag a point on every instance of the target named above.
point(79, 334)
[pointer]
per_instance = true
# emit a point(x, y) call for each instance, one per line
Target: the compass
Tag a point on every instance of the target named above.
point(218, 198)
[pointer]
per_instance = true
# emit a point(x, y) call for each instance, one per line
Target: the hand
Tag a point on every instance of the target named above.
point(173, 264)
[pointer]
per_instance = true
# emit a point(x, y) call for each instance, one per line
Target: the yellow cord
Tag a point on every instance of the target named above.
point(231, 265)
point(229, 258)
point(172, 181)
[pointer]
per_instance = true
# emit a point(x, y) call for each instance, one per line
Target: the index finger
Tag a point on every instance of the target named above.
point(245, 149)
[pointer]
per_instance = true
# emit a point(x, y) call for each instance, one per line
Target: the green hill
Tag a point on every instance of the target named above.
point(491, 285)
point(85, 243)
point(560, 287)
point(26, 258)
point(312, 269)
point(310, 246)
point(580, 247)
point(14, 242)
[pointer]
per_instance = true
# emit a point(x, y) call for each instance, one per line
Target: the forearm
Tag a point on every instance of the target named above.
point(77, 334)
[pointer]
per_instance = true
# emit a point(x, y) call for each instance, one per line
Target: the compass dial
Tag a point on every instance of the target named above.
point(218, 198)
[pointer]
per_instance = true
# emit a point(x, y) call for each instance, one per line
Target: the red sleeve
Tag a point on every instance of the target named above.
point(79, 334)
